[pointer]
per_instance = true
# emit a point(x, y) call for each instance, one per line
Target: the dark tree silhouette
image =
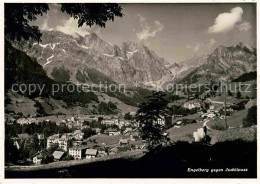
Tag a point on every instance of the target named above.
point(238, 95)
point(229, 93)
point(147, 117)
point(18, 16)
point(251, 117)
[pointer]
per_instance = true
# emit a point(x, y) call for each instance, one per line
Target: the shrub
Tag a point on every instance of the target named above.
point(251, 118)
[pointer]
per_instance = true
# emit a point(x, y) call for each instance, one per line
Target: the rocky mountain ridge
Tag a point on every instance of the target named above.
point(134, 64)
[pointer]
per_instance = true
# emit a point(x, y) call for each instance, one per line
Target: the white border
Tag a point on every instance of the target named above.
point(108, 181)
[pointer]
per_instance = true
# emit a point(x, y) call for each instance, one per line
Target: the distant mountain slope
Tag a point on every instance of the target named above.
point(224, 64)
point(22, 69)
point(130, 64)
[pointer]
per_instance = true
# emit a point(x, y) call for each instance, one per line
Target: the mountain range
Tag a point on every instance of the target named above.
point(89, 58)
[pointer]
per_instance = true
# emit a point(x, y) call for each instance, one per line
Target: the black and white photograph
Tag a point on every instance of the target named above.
point(130, 90)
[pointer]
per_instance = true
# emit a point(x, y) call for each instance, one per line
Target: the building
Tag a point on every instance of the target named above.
point(78, 135)
point(110, 122)
point(191, 105)
point(98, 130)
point(102, 153)
point(211, 107)
point(161, 121)
point(91, 153)
point(23, 121)
point(132, 113)
point(112, 131)
point(58, 155)
point(78, 152)
point(37, 159)
point(184, 122)
point(178, 124)
point(134, 135)
point(211, 115)
point(54, 139)
point(40, 136)
point(62, 141)
point(123, 142)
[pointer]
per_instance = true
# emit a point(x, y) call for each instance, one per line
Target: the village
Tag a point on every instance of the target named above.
point(110, 135)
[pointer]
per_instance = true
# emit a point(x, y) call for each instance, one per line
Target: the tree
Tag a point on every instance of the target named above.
point(251, 118)
point(238, 95)
point(229, 93)
point(147, 117)
point(31, 145)
point(88, 132)
point(11, 152)
point(128, 116)
point(18, 16)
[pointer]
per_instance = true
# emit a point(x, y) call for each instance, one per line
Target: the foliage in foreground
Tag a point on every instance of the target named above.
point(148, 116)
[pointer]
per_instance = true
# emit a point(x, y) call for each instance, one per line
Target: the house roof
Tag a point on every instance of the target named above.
point(123, 141)
point(92, 152)
point(58, 154)
point(55, 136)
point(23, 136)
point(77, 132)
point(111, 130)
point(79, 147)
point(39, 156)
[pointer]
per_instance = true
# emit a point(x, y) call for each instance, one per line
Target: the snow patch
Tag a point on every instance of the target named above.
point(44, 46)
point(130, 54)
point(107, 55)
point(65, 52)
point(48, 60)
point(121, 58)
point(83, 46)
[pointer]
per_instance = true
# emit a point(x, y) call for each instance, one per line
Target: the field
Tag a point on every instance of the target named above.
point(184, 133)
point(235, 120)
point(102, 139)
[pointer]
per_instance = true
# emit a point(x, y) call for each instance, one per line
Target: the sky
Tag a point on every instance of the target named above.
point(175, 32)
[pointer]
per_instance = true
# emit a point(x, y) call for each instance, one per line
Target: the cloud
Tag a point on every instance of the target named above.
point(45, 25)
point(244, 26)
point(195, 47)
point(198, 46)
point(70, 27)
point(211, 42)
point(225, 22)
point(147, 29)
